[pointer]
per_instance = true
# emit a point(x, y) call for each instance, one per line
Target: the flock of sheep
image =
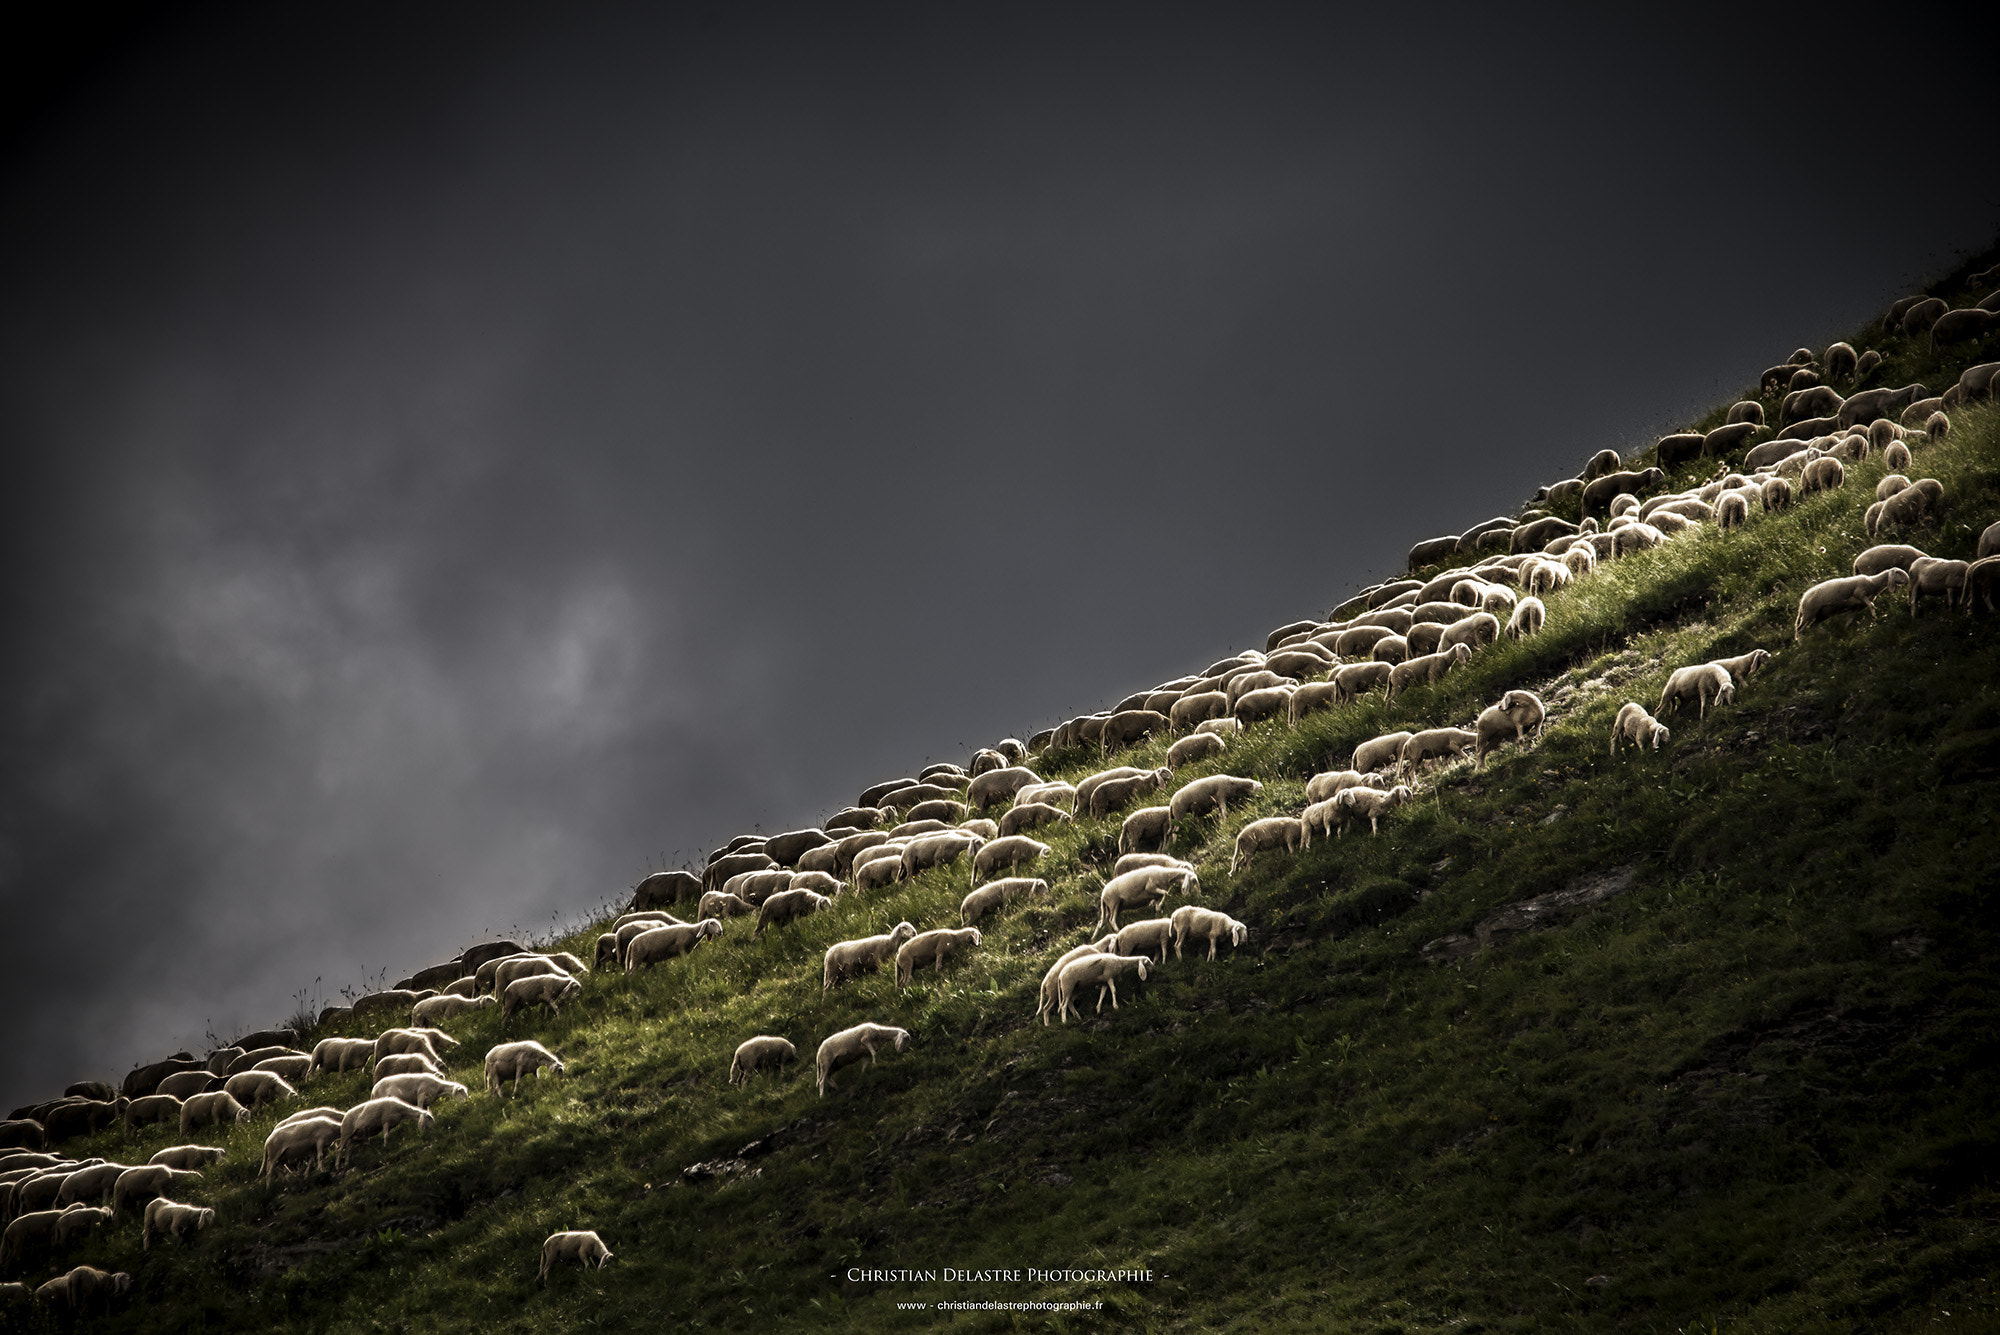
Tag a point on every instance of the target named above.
point(1387, 638)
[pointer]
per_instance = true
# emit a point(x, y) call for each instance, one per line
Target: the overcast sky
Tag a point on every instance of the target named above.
point(457, 457)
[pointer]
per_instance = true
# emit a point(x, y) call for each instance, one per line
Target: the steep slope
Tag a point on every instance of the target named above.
point(1697, 1037)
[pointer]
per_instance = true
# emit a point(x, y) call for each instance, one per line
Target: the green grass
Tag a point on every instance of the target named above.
point(1755, 1092)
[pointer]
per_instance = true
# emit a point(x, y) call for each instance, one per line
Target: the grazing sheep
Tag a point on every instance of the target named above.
point(211, 1109)
point(1635, 725)
point(78, 1221)
point(1919, 501)
point(1887, 557)
point(422, 1090)
point(994, 894)
point(378, 1116)
point(1379, 752)
point(936, 850)
point(1046, 997)
point(1824, 474)
point(1216, 790)
point(293, 1140)
point(1598, 495)
point(1743, 666)
point(550, 990)
point(884, 867)
point(1147, 825)
point(1480, 628)
point(1516, 712)
point(719, 871)
point(788, 906)
point(1192, 923)
point(1358, 678)
point(1581, 560)
point(1746, 410)
point(391, 1042)
point(187, 1156)
point(1269, 832)
point(1139, 938)
point(1197, 707)
point(506, 1061)
point(1264, 703)
point(432, 1010)
point(1869, 404)
point(1221, 727)
point(136, 1186)
point(1126, 727)
point(850, 1045)
point(1144, 886)
point(1320, 787)
point(1031, 816)
point(1527, 619)
point(754, 1054)
point(32, 1232)
point(167, 1219)
point(1431, 744)
point(1101, 970)
point(931, 948)
point(1429, 668)
point(662, 943)
point(663, 887)
point(149, 1109)
point(1929, 574)
point(714, 904)
point(1201, 745)
point(1851, 596)
point(407, 1063)
point(1391, 649)
point(1705, 681)
point(1982, 581)
point(845, 959)
point(1890, 484)
point(88, 1184)
point(583, 1247)
point(1372, 803)
point(998, 785)
point(1111, 794)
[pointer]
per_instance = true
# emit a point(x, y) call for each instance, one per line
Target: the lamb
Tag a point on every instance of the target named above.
point(1703, 681)
point(1433, 743)
point(1429, 668)
point(1055, 794)
point(1321, 787)
point(1527, 619)
point(168, 1219)
point(1089, 785)
point(1357, 679)
point(550, 990)
point(1891, 556)
point(850, 1045)
point(1890, 484)
point(1929, 574)
point(661, 943)
point(1216, 790)
point(1373, 803)
point(1379, 752)
point(1191, 923)
point(378, 1115)
point(422, 1090)
point(149, 1109)
point(294, 1139)
point(1148, 886)
point(1146, 825)
point(1851, 595)
point(1824, 474)
point(876, 872)
point(583, 1247)
point(994, 894)
point(506, 1061)
point(1516, 712)
point(1202, 745)
point(931, 948)
point(1478, 629)
point(77, 1221)
point(187, 1156)
point(1581, 558)
point(788, 906)
point(1635, 725)
point(1270, 832)
point(935, 850)
point(431, 1010)
point(1742, 667)
point(754, 1054)
point(1102, 970)
point(408, 1063)
point(865, 955)
point(1197, 707)
point(211, 1109)
point(1221, 727)
point(391, 1042)
point(136, 1186)
point(1108, 796)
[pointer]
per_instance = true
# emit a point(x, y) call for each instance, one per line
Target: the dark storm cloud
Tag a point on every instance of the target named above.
point(460, 460)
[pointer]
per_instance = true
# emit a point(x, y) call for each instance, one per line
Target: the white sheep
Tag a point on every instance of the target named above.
point(788, 906)
point(1100, 970)
point(408, 1063)
point(506, 1061)
point(931, 948)
point(1146, 825)
point(1270, 832)
point(1221, 727)
point(168, 1219)
point(1141, 938)
point(421, 1089)
point(1890, 484)
point(845, 959)
point(1743, 666)
point(1009, 852)
point(1516, 712)
point(187, 1156)
point(78, 1221)
point(1896, 456)
point(433, 1010)
point(211, 1109)
point(255, 1088)
point(878, 867)
point(1024, 816)
point(136, 1186)
point(1322, 786)
point(754, 1054)
point(1054, 793)
point(1930, 574)
point(661, 943)
point(1372, 803)
point(993, 894)
point(550, 990)
point(1216, 790)
point(378, 1116)
point(1357, 679)
point(294, 1139)
point(1191, 922)
point(1431, 744)
point(1850, 596)
point(1919, 501)
point(1635, 725)
point(583, 1246)
point(1704, 681)
point(1046, 997)
point(392, 1042)
point(851, 1045)
point(1878, 559)
point(1148, 886)
point(1428, 668)
point(1378, 752)
point(1134, 861)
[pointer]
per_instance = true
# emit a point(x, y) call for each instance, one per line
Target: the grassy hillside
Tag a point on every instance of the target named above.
point(1739, 1073)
